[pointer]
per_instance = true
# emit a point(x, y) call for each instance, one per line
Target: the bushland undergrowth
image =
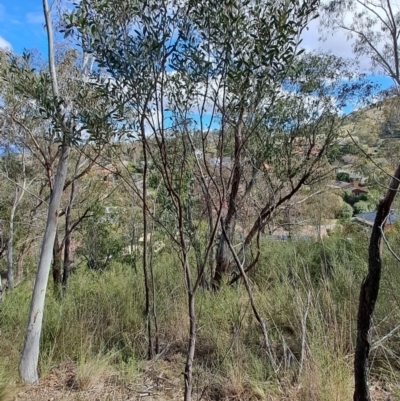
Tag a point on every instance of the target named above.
point(307, 293)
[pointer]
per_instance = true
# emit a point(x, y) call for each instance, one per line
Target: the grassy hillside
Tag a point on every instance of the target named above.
point(374, 123)
point(94, 340)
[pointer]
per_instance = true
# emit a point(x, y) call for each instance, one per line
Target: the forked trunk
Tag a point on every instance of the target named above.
point(223, 259)
point(222, 265)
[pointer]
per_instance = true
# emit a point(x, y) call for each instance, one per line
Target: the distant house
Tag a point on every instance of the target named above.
point(340, 184)
point(354, 187)
point(356, 190)
point(368, 218)
point(350, 176)
point(357, 178)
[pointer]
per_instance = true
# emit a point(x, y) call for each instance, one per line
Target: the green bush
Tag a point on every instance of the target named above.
point(102, 241)
point(361, 207)
point(343, 176)
point(345, 212)
point(348, 196)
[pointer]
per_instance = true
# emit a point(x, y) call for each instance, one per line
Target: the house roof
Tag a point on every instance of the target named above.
point(359, 190)
point(369, 217)
point(341, 184)
point(352, 186)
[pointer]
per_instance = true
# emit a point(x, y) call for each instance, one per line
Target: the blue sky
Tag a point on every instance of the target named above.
point(22, 27)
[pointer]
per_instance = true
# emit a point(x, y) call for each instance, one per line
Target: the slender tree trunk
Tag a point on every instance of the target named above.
point(30, 353)
point(67, 250)
point(153, 288)
point(57, 263)
point(222, 265)
point(1, 289)
point(211, 256)
point(67, 241)
point(18, 195)
point(27, 245)
point(369, 292)
point(145, 270)
point(200, 263)
point(134, 245)
point(10, 243)
point(260, 320)
point(192, 334)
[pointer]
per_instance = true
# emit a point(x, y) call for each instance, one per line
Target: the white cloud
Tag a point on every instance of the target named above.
point(336, 43)
point(35, 17)
point(4, 44)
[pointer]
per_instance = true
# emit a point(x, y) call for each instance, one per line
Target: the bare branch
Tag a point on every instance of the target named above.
point(251, 298)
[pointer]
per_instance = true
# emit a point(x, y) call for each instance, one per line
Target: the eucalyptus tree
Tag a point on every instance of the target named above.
point(34, 138)
point(270, 113)
point(302, 129)
point(374, 28)
point(24, 83)
point(145, 34)
point(252, 47)
point(67, 118)
point(174, 67)
point(30, 352)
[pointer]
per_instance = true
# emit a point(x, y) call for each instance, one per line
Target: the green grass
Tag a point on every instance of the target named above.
point(307, 293)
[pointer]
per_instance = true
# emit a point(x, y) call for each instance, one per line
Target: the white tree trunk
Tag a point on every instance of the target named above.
point(30, 353)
